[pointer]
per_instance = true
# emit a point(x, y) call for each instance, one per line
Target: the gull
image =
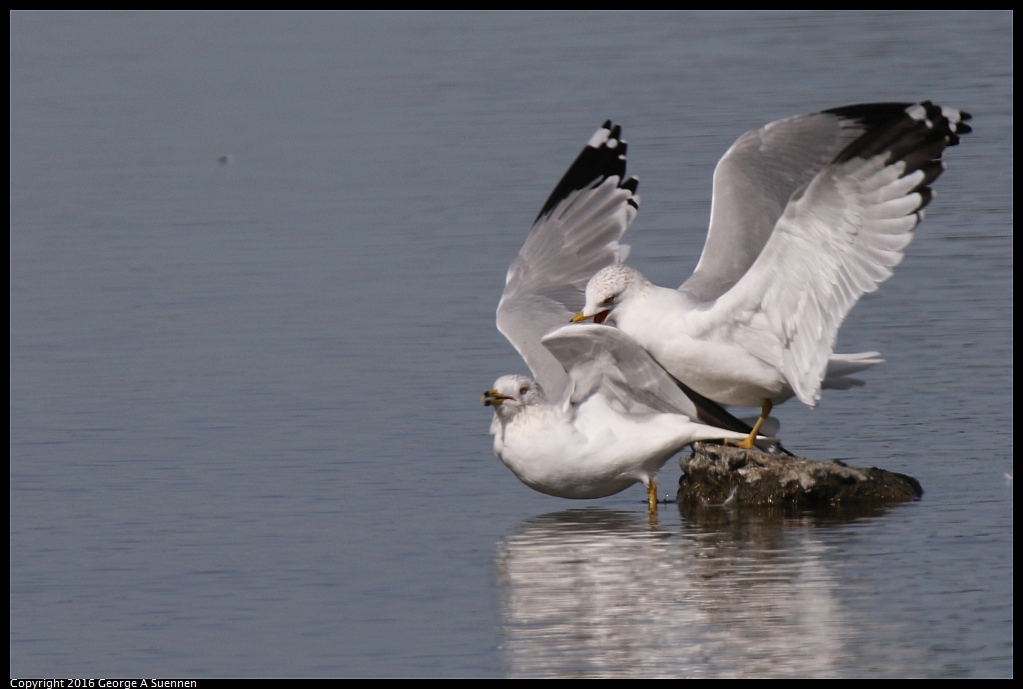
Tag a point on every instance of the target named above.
point(808, 214)
point(601, 414)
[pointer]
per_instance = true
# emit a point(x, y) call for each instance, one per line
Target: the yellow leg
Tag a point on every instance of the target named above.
point(651, 496)
point(651, 503)
point(765, 411)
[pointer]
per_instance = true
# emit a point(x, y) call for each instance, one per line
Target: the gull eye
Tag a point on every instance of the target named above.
point(607, 302)
point(523, 389)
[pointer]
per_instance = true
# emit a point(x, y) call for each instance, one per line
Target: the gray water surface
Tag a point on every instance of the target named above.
point(254, 265)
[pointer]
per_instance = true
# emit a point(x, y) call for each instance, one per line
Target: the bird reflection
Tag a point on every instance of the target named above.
point(599, 593)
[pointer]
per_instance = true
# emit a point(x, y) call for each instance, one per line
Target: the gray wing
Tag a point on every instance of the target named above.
point(575, 235)
point(757, 177)
point(838, 238)
point(602, 360)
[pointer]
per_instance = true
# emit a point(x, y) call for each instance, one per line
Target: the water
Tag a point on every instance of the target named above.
point(245, 433)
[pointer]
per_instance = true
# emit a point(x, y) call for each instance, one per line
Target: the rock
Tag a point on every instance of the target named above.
point(718, 474)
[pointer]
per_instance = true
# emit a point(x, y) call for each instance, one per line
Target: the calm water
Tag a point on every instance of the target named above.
point(245, 429)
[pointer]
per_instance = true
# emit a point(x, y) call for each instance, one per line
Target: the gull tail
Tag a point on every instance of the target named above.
point(842, 366)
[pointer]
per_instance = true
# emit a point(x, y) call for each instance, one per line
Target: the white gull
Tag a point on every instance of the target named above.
point(601, 415)
point(808, 214)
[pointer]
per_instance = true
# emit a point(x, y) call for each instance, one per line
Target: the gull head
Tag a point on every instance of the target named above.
point(608, 288)
point(511, 393)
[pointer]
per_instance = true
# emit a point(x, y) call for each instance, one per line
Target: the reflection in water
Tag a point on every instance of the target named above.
point(599, 593)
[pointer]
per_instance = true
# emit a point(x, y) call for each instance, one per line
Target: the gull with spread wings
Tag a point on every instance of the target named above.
point(808, 214)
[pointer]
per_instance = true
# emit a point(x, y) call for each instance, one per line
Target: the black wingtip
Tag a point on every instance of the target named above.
point(602, 157)
point(915, 133)
point(713, 414)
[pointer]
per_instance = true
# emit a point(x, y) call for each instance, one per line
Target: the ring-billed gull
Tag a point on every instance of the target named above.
point(601, 414)
point(808, 214)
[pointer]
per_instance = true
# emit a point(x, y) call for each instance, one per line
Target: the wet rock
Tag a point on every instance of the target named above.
point(718, 474)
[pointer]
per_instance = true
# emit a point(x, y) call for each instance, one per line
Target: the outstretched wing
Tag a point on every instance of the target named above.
point(757, 176)
point(575, 235)
point(837, 237)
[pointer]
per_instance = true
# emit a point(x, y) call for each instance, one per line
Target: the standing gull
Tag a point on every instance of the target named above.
point(808, 214)
point(601, 414)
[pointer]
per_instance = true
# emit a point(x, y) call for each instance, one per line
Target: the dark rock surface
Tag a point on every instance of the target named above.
point(719, 474)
